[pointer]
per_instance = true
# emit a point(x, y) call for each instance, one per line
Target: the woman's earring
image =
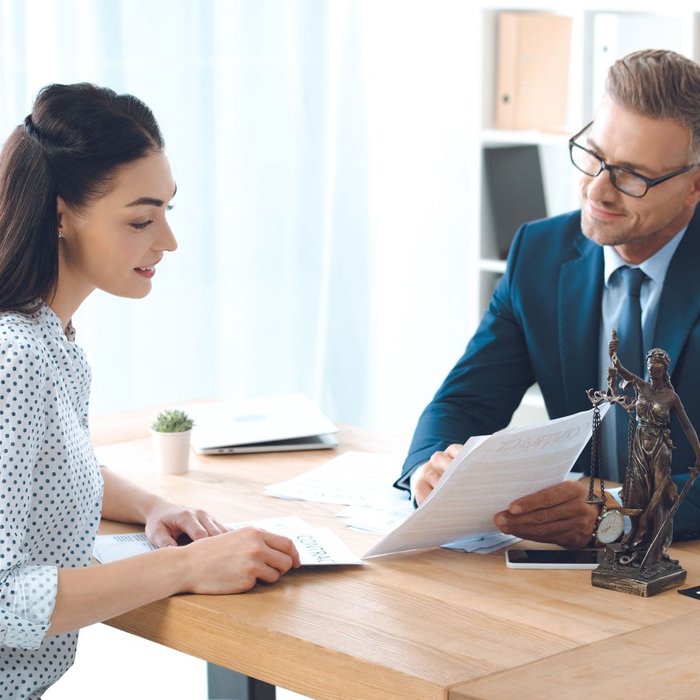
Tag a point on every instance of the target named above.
point(60, 233)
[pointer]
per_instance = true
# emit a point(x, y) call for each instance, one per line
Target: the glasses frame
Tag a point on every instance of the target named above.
point(612, 169)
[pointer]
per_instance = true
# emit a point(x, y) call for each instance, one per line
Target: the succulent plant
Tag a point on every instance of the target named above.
point(172, 421)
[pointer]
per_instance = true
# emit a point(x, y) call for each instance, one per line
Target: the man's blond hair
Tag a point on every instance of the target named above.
point(661, 85)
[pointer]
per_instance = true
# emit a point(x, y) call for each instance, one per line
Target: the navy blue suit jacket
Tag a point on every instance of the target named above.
point(543, 325)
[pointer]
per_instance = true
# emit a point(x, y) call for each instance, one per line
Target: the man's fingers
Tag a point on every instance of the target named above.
point(422, 491)
point(438, 463)
point(452, 450)
point(548, 498)
point(567, 533)
point(426, 482)
point(569, 524)
point(571, 529)
point(569, 510)
point(431, 472)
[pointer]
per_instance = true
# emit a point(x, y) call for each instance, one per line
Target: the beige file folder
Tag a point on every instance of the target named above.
point(533, 70)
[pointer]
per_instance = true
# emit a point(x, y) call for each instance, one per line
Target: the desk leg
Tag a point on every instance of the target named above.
point(229, 685)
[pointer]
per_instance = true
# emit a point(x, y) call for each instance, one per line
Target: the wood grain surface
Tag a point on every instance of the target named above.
point(428, 624)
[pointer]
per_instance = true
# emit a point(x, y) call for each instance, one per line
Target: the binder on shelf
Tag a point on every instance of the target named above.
point(532, 70)
point(515, 189)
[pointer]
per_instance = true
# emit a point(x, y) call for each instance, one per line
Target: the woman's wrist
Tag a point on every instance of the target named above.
point(177, 570)
point(148, 504)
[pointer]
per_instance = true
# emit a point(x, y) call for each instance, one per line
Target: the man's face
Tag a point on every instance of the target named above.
point(650, 147)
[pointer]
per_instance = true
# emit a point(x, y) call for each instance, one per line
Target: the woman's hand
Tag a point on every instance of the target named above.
point(235, 561)
point(166, 521)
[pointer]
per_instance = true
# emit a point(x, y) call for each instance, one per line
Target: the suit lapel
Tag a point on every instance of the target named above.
point(679, 305)
point(580, 294)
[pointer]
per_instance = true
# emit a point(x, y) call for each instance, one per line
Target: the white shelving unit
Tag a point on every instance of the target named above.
point(601, 33)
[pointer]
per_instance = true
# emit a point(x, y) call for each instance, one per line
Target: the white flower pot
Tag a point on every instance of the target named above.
point(172, 451)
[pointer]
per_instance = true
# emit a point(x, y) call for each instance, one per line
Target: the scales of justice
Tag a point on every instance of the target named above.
point(638, 563)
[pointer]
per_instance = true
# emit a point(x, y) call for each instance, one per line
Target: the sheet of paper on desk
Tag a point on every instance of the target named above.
point(486, 476)
point(352, 479)
point(382, 518)
point(317, 546)
point(114, 547)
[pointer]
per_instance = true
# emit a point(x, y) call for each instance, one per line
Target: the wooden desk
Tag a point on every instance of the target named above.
point(432, 624)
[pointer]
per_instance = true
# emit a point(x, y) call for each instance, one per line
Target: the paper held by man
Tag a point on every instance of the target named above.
point(486, 476)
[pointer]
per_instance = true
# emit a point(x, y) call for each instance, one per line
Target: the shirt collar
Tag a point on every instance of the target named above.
point(48, 314)
point(654, 267)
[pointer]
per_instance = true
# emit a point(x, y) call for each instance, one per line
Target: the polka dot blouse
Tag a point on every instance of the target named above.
point(50, 496)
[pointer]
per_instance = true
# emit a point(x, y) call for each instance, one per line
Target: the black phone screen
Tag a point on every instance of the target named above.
point(555, 557)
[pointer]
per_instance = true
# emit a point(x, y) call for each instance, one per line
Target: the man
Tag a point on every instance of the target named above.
point(565, 288)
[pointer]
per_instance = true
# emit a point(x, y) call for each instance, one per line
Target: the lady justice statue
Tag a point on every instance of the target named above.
point(639, 563)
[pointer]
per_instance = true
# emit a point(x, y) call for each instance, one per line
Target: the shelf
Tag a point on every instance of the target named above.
point(492, 265)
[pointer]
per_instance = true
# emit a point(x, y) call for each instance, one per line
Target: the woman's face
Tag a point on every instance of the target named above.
point(115, 243)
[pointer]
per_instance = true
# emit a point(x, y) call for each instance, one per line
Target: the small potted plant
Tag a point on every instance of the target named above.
point(171, 438)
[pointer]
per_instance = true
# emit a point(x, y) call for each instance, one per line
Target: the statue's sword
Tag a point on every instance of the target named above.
point(670, 515)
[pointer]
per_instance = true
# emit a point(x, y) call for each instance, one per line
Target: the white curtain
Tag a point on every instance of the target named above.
point(322, 152)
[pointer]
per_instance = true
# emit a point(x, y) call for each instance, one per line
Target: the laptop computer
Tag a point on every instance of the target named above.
point(271, 424)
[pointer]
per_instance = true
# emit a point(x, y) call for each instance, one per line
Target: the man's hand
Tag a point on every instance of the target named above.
point(559, 515)
point(165, 522)
point(431, 472)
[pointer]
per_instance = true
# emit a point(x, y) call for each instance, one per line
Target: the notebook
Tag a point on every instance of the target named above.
point(271, 424)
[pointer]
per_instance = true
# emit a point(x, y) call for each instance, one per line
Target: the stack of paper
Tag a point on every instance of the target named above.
point(353, 479)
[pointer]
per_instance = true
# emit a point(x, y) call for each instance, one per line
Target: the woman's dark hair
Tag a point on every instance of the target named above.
point(70, 146)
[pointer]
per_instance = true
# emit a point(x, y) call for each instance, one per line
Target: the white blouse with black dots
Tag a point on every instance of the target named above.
point(50, 497)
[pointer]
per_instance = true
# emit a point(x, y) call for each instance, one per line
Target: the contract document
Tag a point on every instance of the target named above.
point(486, 476)
point(317, 546)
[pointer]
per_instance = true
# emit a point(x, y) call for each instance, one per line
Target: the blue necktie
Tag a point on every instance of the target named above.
point(630, 352)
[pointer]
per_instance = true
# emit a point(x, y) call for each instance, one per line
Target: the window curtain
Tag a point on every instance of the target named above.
point(323, 154)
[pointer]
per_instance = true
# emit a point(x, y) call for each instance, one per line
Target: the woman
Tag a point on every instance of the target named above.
point(84, 187)
point(648, 484)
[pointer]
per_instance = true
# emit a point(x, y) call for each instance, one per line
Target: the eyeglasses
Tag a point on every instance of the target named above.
point(622, 179)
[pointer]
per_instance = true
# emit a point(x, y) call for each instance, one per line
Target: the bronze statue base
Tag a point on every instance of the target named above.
point(617, 575)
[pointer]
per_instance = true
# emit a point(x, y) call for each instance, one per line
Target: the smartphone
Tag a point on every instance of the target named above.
point(553, 558)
